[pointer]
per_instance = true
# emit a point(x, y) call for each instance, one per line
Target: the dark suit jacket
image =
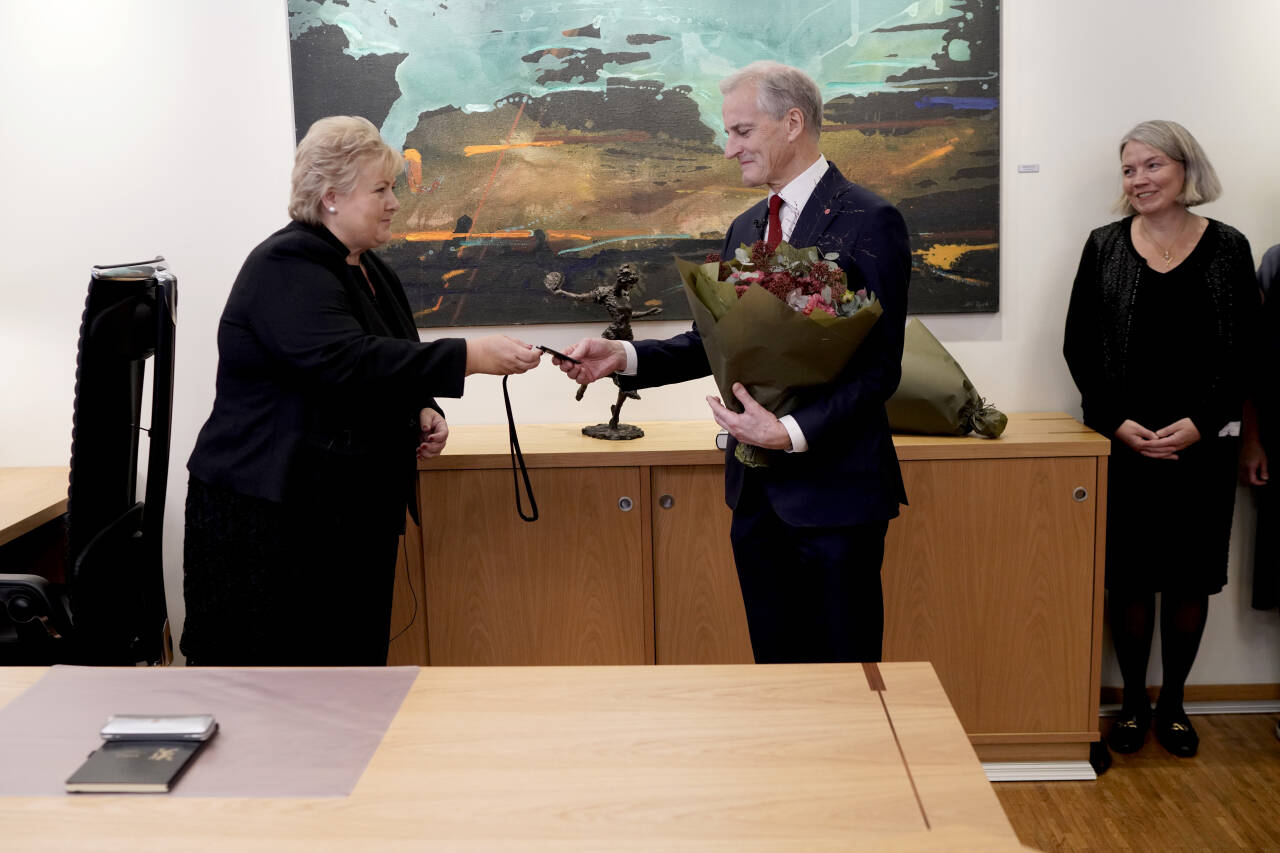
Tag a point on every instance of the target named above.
point(850, 473)
point(314, 374)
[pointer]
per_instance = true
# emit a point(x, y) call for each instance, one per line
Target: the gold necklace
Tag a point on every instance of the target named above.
point(1167, 254)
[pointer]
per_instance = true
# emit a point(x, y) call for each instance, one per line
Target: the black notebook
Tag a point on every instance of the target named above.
point(133, 767)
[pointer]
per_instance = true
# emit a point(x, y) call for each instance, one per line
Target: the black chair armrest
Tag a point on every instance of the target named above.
point(29, 600)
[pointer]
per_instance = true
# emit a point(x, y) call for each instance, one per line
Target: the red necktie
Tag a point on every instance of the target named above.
point(775, 223)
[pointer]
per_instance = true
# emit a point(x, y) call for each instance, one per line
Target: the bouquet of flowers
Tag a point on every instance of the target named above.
point(935, 397)
point(796, 276)
point(778, 322)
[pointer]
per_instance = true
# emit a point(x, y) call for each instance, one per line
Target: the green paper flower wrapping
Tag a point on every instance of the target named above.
point(935, 397)
point(775, 349)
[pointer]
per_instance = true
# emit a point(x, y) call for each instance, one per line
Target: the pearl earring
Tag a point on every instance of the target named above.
point(333, 210)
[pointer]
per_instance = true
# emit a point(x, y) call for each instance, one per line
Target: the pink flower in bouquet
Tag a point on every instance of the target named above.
point(812, 321)
point(799, 277)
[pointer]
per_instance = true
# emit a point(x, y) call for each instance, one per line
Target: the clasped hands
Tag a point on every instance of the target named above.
point(600, 357)
point(1163, 443)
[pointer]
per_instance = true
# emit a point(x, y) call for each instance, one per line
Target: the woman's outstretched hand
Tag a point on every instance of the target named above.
point(500, 355)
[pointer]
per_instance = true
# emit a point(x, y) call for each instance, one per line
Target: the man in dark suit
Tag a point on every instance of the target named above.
point(808, 530)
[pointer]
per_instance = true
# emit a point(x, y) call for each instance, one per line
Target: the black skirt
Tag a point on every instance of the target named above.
point(307, 582)
point(1169, 521)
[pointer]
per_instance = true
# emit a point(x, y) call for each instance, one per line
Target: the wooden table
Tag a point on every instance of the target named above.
point(993, 572)
point(29, 497)
point(600, 758)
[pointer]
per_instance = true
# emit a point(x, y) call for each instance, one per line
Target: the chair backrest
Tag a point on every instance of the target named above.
point(115, 581)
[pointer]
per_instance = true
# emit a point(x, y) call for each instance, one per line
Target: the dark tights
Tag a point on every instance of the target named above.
point(1182, 619)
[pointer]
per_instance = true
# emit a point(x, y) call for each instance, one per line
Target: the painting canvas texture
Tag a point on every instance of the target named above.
point(578, 135)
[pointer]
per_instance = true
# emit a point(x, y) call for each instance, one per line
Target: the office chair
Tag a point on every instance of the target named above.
point(111, 609)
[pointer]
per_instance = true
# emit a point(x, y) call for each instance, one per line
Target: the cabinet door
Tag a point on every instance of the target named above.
point(568, 589)
point(698, 610)
point(989, 574)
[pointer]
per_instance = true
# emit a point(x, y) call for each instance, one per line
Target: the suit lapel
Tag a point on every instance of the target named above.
point(820, 210)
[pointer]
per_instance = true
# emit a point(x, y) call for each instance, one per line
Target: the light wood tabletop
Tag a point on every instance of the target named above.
point(29, 497)
point(805, 757)
point(694, 443)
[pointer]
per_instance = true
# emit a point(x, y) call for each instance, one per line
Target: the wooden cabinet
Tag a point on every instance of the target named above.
point(698, 612)
point(569, 588)
point(993, 573)
point(990, 574)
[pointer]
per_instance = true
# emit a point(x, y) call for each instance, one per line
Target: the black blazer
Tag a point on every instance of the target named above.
point(850, 473)
point(314, 374)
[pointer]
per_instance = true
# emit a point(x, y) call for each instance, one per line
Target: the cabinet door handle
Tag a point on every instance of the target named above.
point(666, 502)
point(625, 503)
point(1080, 494)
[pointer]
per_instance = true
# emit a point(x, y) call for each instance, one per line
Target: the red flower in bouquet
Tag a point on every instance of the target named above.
point(796, 330)
point(799, 277)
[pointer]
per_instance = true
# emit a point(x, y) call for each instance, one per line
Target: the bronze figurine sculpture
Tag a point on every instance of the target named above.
point(616, 299)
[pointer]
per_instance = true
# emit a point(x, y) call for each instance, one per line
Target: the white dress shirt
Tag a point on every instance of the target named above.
point(795, 195)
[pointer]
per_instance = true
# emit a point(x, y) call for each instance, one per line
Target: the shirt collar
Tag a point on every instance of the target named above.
point(796, 193)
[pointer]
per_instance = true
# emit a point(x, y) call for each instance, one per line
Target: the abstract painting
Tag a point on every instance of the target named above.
point(573, 136)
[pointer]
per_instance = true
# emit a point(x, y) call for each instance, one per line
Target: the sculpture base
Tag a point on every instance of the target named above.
point(622, 432)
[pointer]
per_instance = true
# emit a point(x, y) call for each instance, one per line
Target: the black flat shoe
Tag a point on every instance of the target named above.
point(1129, 732)
point(1176, 734)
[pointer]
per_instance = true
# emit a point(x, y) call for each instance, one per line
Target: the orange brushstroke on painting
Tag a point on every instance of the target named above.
point(434, 308)
point(450, 274)
point(480, 206)
point(424, 236)
point(445, 236)
point(944, 255)
point(930, 157)
point(413, 169)
point(472, 150)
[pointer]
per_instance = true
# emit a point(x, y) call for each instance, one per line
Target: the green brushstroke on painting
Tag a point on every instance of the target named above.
point(471, 55)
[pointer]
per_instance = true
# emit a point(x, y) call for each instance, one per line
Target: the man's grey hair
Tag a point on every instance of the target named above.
point(780, 88)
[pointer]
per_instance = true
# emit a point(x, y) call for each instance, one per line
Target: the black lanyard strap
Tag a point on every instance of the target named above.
point(518, 458)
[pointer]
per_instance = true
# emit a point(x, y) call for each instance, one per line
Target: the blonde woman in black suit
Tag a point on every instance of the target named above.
point(301, 475)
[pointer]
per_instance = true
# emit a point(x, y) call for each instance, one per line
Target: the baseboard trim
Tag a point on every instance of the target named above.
point(1238, 706)
point(1205, 693)
point(1039, 771)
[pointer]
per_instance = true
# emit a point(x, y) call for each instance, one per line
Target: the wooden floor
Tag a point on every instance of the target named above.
point(1226, 798)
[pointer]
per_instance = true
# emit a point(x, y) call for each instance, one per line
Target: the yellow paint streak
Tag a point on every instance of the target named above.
point(935, 154)
point(472, 150)
point(413, 155)
point(451, 273)
point(944, 255)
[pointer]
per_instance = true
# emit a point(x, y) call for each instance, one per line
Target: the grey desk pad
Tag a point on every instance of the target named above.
point(282, 732)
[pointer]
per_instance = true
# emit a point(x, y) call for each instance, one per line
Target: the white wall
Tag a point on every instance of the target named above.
point(143, 126)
